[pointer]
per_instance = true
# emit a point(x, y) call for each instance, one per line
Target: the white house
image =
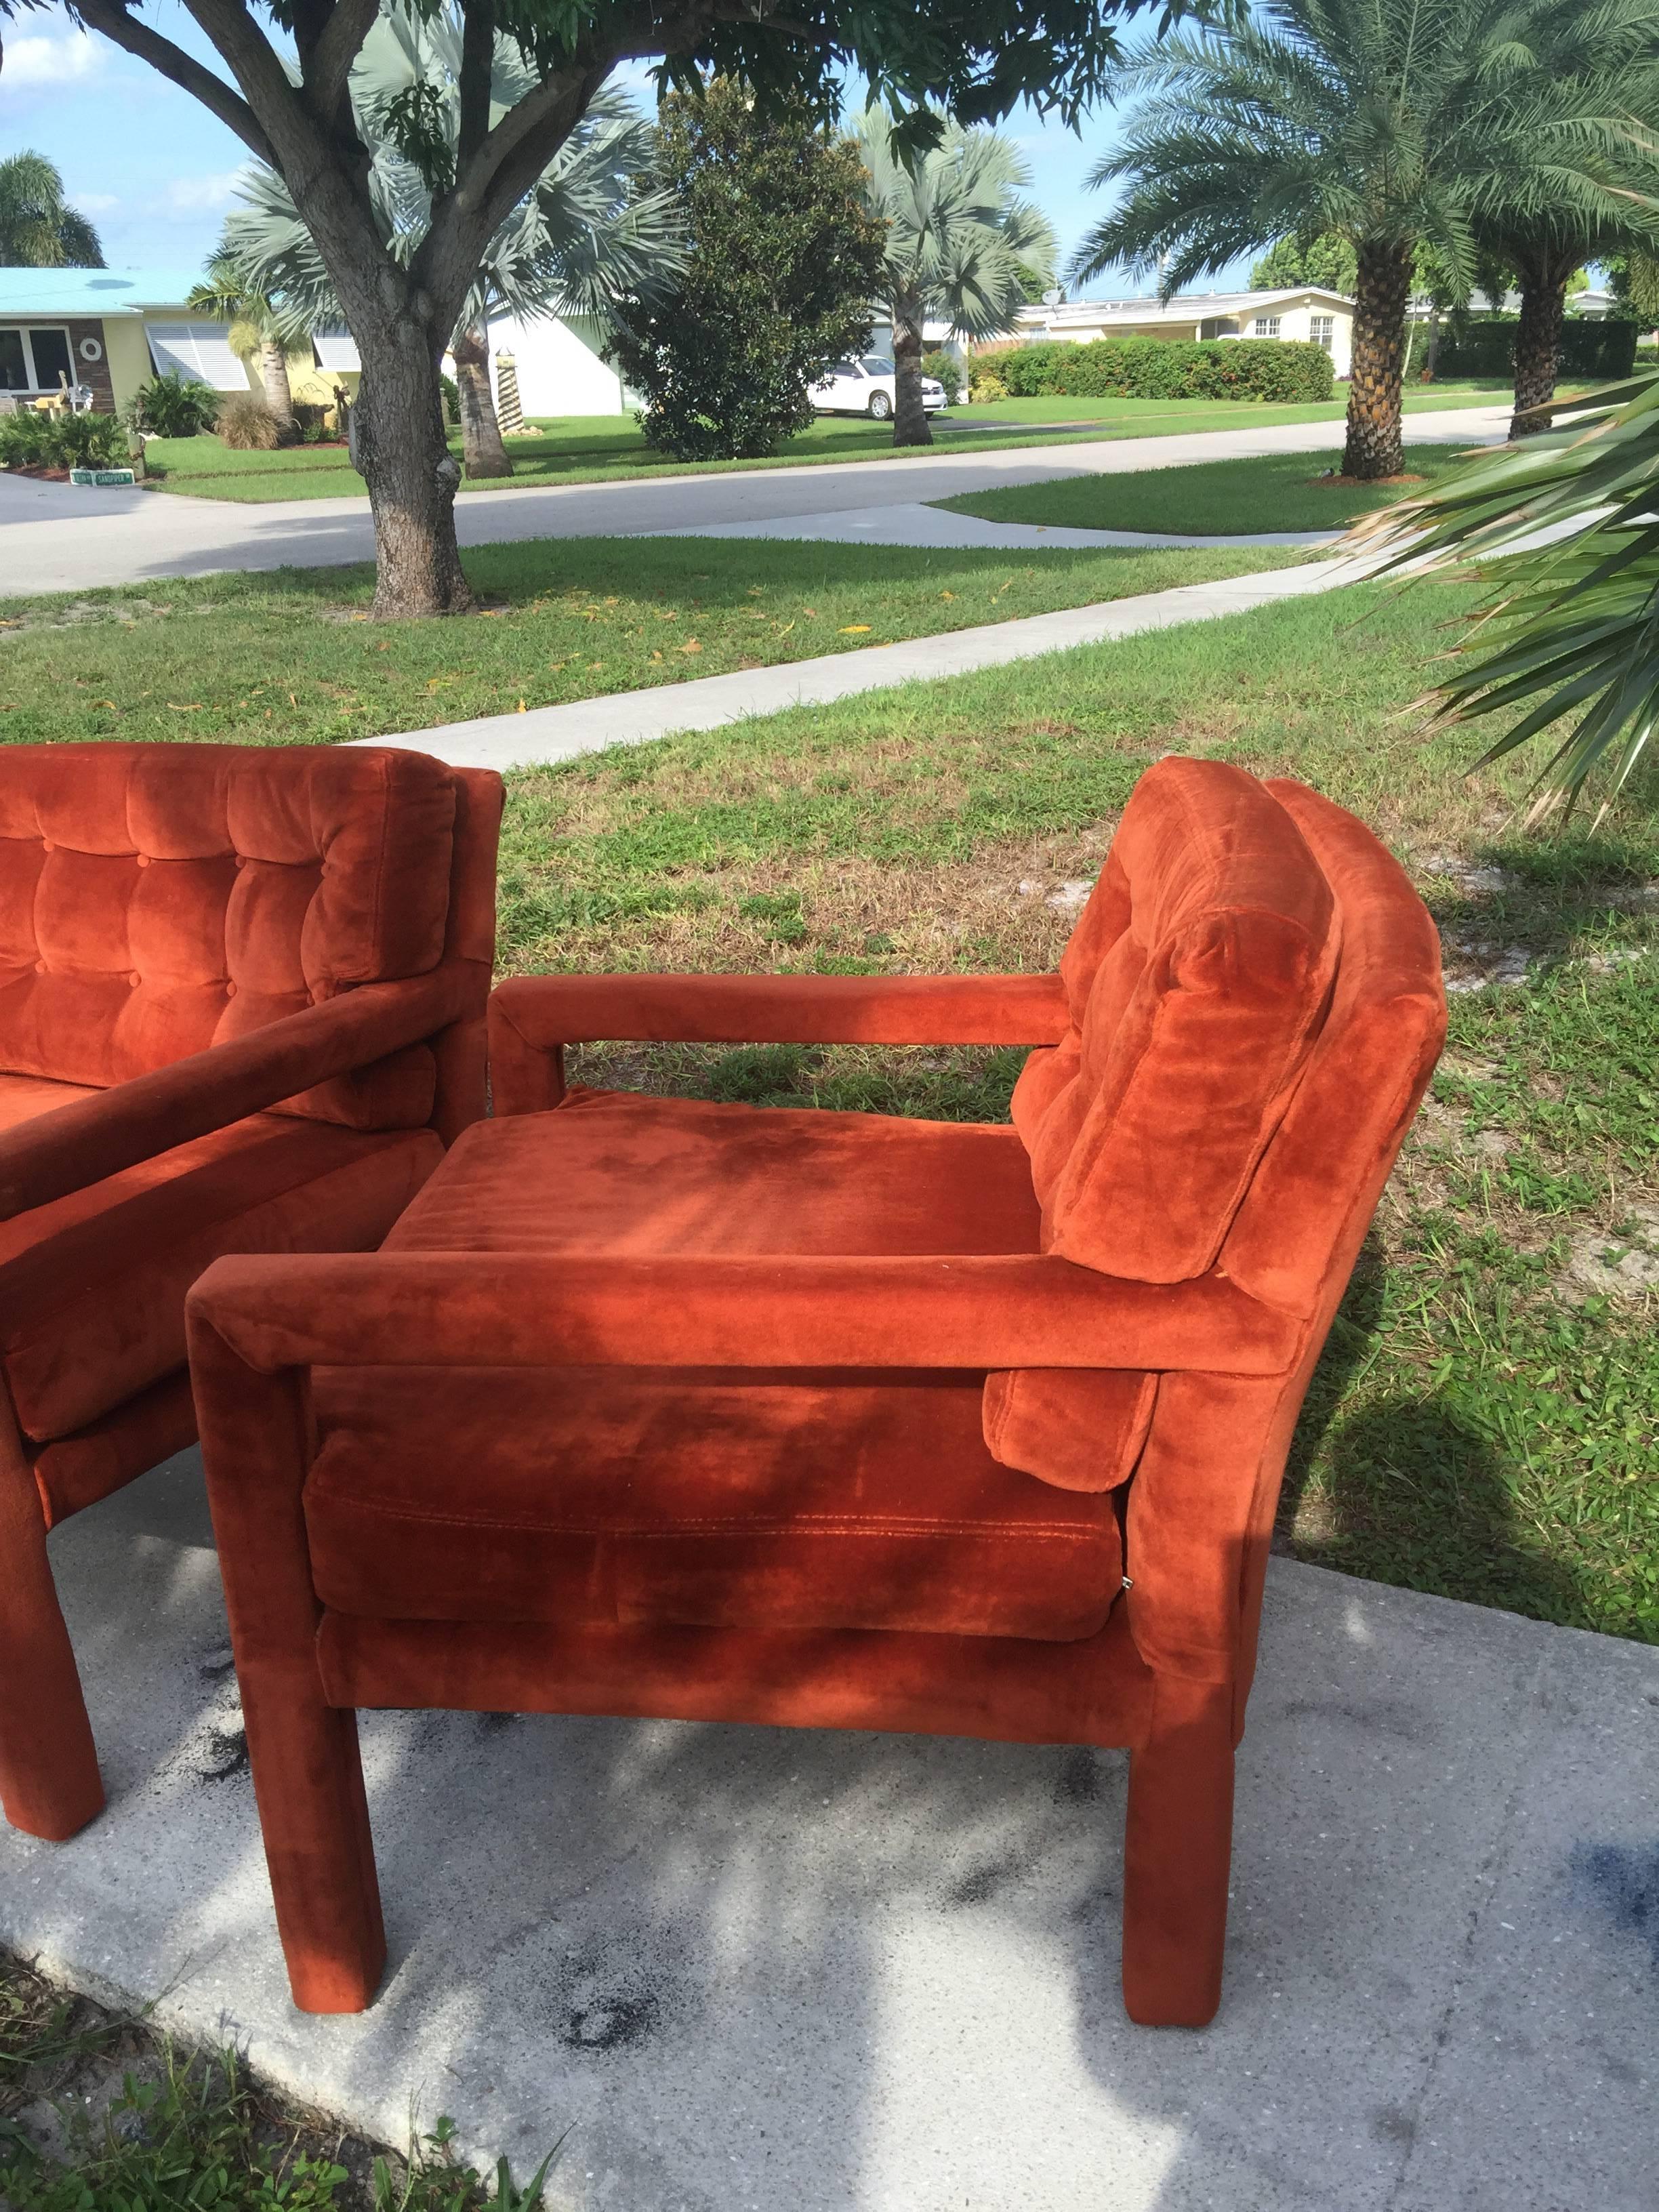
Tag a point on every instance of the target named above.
point(1308, 313)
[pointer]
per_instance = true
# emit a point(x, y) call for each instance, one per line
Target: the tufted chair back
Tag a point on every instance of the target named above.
point(158, 899)
point(1198, 978)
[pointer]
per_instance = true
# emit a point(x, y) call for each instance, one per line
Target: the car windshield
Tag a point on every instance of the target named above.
point(877, 364)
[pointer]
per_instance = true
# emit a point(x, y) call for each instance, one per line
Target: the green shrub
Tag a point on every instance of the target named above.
point(944, 368)
point(173, 406)
point(1160, 368)
point(984, 385)
point(31, 440)
point(1595, 352)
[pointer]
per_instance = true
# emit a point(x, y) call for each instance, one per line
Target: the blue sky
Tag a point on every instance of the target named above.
point(155, 172)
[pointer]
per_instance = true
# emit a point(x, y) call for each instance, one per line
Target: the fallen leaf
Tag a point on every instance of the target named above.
point(691, 646)
point(194, 709)
point(853, 629)
point(383, 647)
point(107, 702)
point(656, 656)
point(522, 710)
point(947, 595)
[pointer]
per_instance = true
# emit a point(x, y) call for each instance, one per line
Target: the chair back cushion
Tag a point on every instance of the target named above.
point(157, 899)
point(1198, 976)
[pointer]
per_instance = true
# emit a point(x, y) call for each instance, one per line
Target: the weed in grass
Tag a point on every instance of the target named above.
point(99, 2115)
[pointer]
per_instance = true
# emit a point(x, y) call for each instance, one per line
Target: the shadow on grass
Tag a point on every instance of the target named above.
point(1404, 1487)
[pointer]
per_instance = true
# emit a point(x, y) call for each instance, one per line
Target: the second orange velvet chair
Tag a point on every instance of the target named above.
point(839, 1419)
point(241, 1009)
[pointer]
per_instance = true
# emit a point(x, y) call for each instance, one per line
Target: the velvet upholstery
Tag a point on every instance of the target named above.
point(648, 1406)
point(241, 1010)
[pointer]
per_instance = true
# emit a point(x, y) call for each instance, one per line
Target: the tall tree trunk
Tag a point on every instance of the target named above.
point(273, 369)
point(1375, 448)
point(412, 475)
point(1538, 341)
point(483, 453)
point(910, 424)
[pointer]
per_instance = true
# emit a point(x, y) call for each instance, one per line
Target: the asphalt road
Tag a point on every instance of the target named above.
point(54, 538)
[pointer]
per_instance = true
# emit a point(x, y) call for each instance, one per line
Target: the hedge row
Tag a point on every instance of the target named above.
point(1598, 351)
point(1159, 368)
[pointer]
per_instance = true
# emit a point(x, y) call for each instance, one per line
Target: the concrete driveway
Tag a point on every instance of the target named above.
point(56, 538)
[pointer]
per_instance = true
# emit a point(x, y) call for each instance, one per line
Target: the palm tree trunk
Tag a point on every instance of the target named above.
point(1538, 342)
point(483, 453)
point(273, 368)
point(910, 424)
point(1375, 448)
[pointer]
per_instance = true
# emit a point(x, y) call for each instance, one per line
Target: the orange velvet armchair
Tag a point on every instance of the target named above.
point(242, 998)
point(650, 1406)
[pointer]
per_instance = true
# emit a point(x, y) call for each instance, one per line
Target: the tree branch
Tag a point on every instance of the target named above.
point(477, 63)
point(112, 21)
point(327, 73)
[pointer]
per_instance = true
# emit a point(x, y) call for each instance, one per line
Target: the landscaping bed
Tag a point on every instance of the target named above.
point(1485, 1424)
point(1266, 492)
point(292, 656)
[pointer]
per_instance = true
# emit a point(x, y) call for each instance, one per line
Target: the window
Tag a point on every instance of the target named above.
point(33, 359)
point(1267, 327)
point(200, 351)
point(1321, 329)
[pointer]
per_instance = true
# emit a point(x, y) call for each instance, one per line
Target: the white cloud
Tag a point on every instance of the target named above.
point(51, 61)
point(201, 195)
point(96, 202)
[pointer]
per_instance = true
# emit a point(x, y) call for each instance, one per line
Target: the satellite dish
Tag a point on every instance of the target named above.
point(1051, 298)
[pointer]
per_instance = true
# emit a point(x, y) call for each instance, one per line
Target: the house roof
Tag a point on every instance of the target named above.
point(1184, 307)
point(92, 291)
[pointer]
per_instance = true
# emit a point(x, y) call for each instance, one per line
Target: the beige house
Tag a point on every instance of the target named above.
point(111, 330)
point(1309, 314)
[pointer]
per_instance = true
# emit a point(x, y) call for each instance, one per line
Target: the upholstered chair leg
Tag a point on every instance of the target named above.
point(49, 1782)
point(256, 1445)
point(1177, 1857)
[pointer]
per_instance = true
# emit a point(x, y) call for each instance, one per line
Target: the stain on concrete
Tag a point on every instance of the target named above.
point(985, 1883)
point(1078, 1781)
point(611, 2024)
point(1623, 1879)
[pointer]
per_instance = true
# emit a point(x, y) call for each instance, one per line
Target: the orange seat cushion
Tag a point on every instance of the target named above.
point(92, 1287)
point(804, 1501)
point(613, 1171)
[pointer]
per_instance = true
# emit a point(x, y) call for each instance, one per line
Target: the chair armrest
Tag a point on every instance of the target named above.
point(532, 1017)
point(74, 1146)
point(522, 1310)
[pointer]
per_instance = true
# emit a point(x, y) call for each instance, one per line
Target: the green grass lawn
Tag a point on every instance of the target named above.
point(1486, 1421)
point(1275, 491)
point(609, 448)
point(292, 656)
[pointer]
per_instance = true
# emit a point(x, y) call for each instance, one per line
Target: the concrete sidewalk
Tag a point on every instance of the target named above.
point(756, 1968)
point(544, 734)
point(56, 537)
point(917, 524)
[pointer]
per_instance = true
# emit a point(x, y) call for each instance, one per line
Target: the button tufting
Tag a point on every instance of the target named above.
point(40, 967)
point(143, 859)
point(241, 860)
point(46, 845)
point(230, 990)
point(134, 980)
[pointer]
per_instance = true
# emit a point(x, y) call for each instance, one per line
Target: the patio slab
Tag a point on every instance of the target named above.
point(856, 1973)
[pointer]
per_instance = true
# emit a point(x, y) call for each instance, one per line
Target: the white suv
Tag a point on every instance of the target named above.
point(870, 387)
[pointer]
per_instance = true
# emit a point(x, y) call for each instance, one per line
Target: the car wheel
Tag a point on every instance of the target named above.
point(881, 407)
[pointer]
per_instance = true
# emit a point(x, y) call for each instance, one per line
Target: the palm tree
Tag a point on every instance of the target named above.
point(586, 234)
point(38, 229)
point(1572, 627)
point(1394, 123)
point(1593, 72)
point(962, 243)
point(256, 324)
